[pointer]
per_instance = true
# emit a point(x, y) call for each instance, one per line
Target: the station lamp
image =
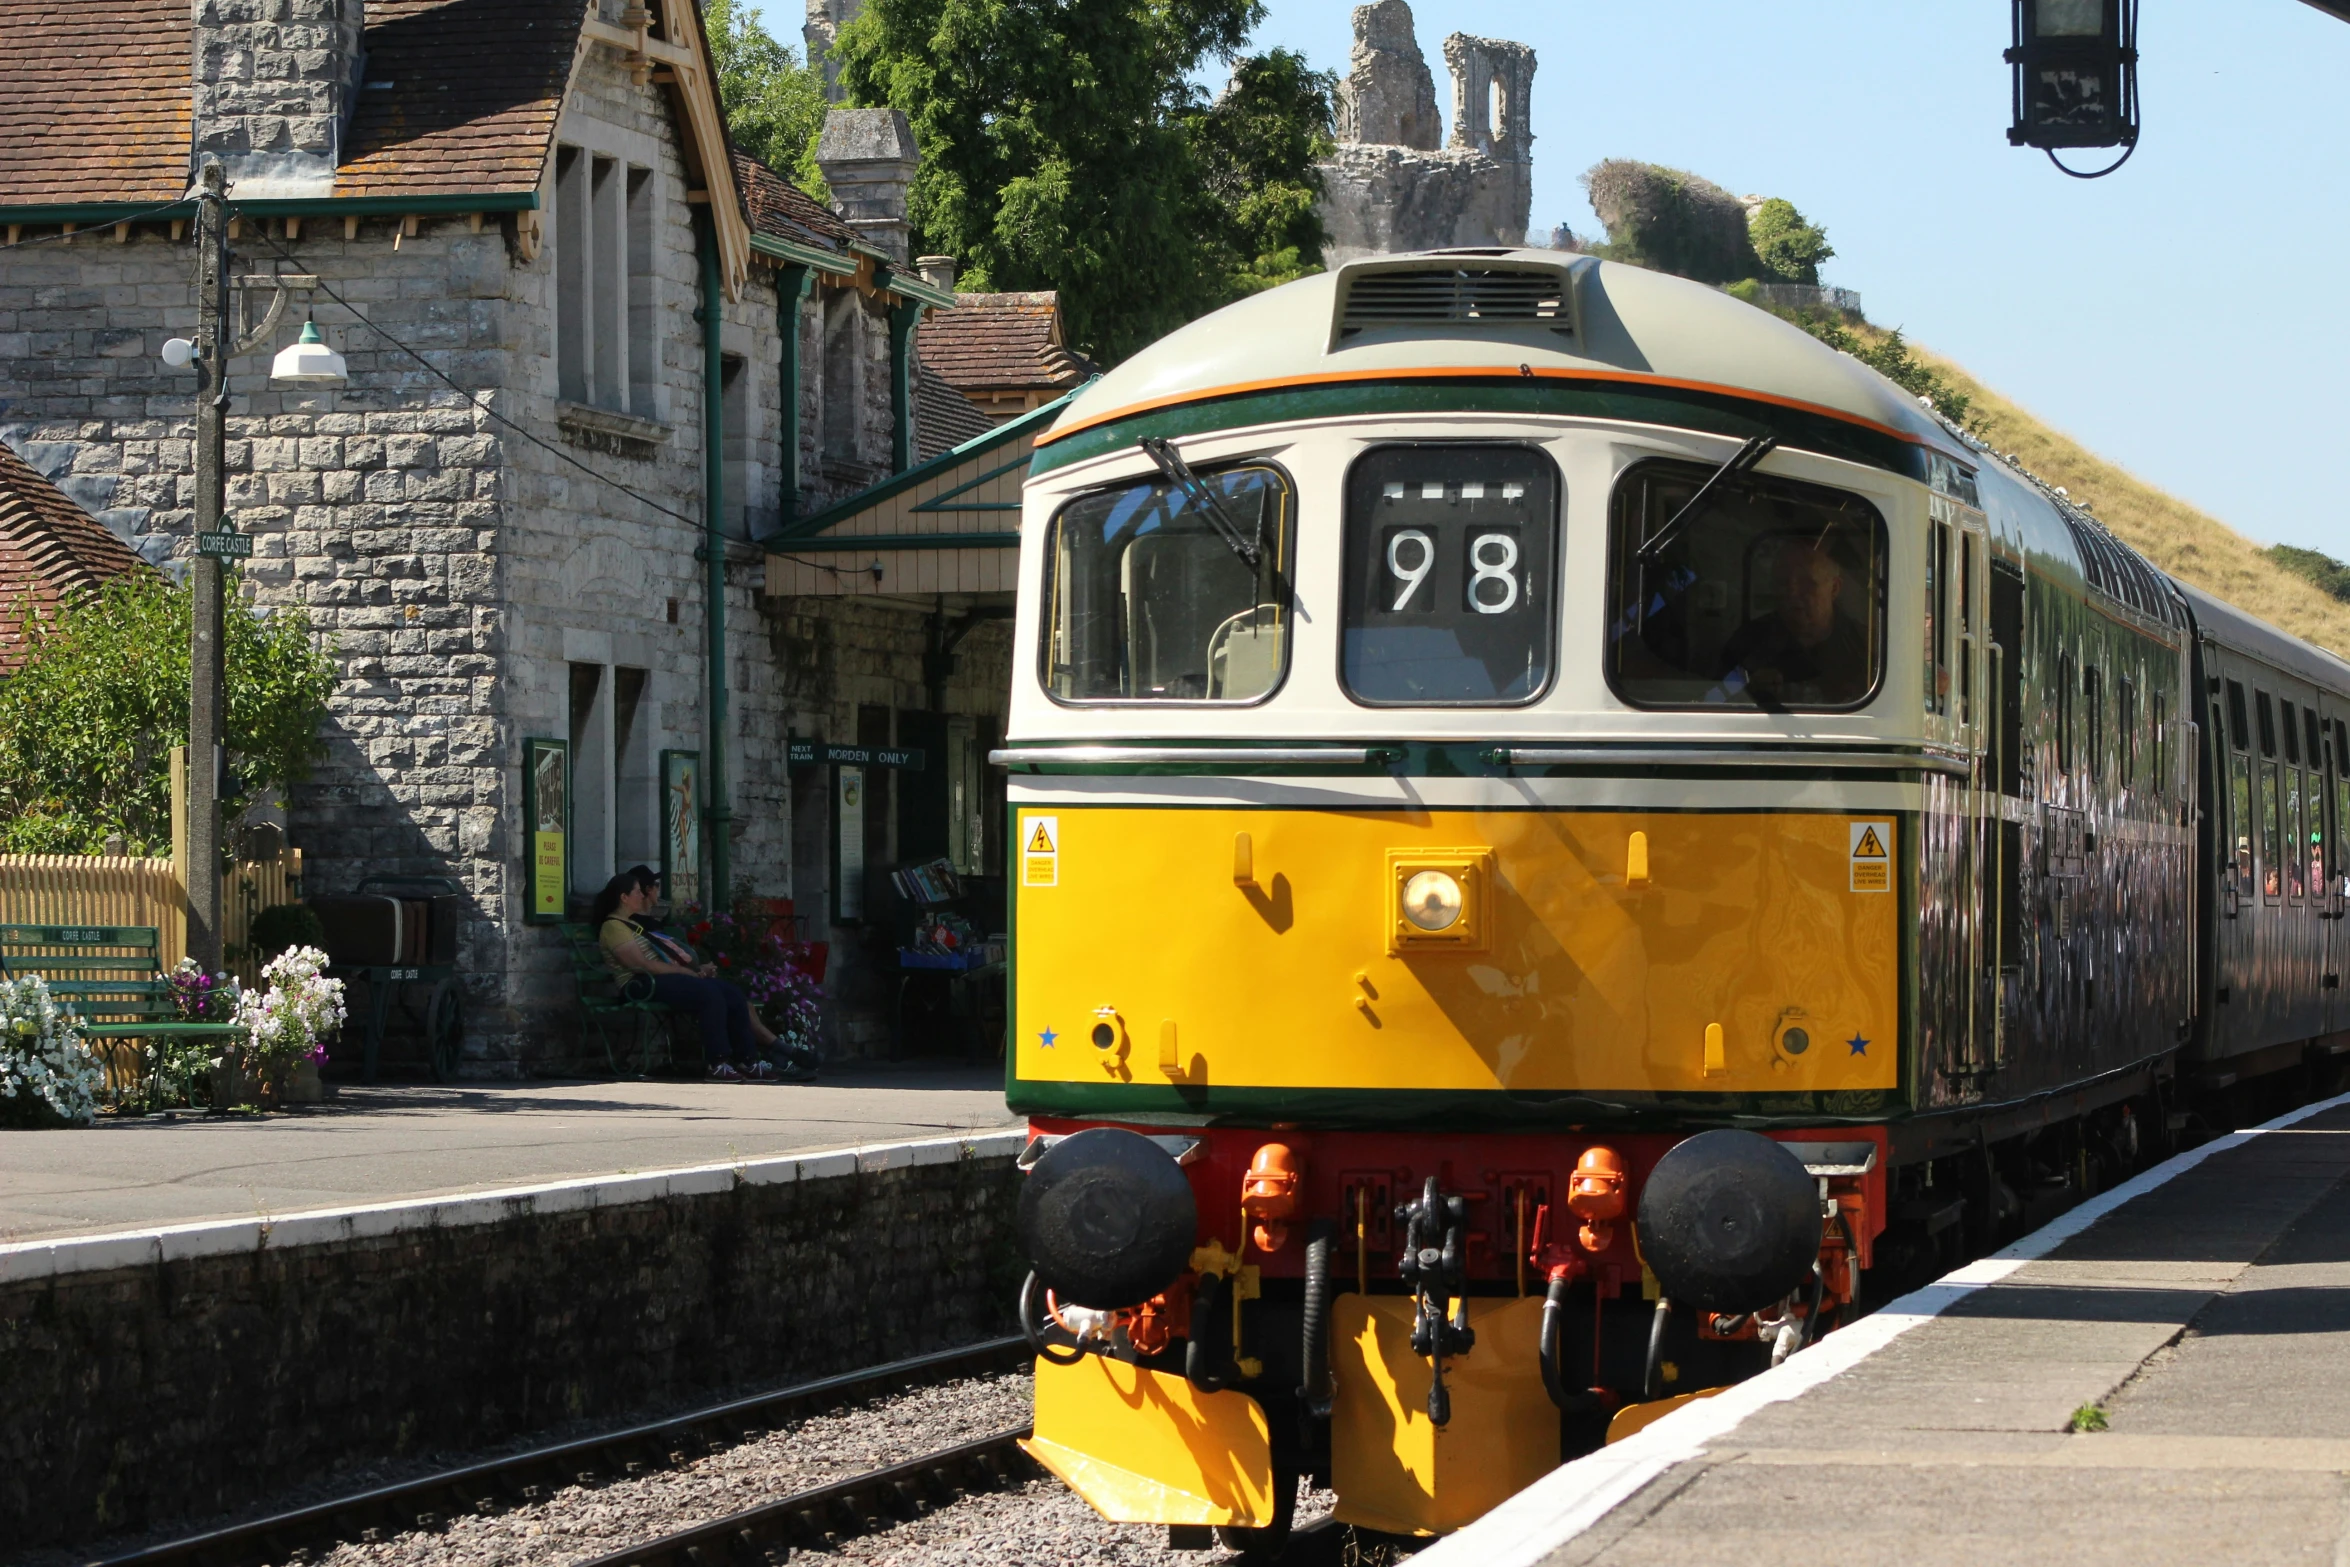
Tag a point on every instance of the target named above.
point(2076, 78)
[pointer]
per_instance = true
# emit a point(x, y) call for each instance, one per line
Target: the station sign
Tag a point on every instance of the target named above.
point(228, 545)
point(810, 753)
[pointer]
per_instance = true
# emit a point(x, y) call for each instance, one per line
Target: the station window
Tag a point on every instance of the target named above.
point(1450, 570)
point(1147, 598)
point(1769, 596)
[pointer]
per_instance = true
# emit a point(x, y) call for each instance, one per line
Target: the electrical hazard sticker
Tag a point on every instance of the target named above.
point(1872, 856)
point(1040, 852)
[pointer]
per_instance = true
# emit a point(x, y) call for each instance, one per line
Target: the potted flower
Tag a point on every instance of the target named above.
point(47, 1078)
point(287, 1022)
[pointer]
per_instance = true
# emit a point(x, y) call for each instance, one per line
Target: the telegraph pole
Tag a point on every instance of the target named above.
point(207, 670)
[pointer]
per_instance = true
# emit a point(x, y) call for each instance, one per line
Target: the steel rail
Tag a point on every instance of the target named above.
point(477, 1485)
point(824, 1514)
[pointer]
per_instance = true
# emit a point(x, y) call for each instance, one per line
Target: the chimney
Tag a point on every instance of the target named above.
point(937, 271)
point(868, 157)
point(275, 83)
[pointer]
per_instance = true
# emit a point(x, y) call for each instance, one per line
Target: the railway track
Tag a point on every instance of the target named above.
point(496, 1483)
point(825, 1514)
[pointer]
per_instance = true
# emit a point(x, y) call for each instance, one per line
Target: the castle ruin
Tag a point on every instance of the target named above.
point(1389, 186)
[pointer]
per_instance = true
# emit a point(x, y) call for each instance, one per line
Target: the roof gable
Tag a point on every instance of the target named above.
point(1003, 342)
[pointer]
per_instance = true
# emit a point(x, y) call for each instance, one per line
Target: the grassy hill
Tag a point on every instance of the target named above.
point(2186, 543)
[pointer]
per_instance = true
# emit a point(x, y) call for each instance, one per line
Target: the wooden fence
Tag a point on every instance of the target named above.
point(76, 889)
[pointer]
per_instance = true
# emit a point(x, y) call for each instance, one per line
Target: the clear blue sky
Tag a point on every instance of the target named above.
point(2186, 318)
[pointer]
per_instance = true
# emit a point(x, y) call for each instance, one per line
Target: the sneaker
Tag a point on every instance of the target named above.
point(724, 1072)
point(800, 1067)
point(759, 1069)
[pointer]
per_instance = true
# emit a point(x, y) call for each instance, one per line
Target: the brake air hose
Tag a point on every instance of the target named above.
point(1554, 1318)
point(1315, 1393)
point(1207, 1360)
point(1058, 1354)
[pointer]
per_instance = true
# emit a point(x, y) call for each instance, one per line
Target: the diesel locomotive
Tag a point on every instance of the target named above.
point(1560, 826)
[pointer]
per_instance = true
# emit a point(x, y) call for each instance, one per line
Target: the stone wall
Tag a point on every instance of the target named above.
point(168, 1376)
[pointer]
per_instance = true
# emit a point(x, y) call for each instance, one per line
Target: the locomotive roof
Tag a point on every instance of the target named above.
point(1609, 322)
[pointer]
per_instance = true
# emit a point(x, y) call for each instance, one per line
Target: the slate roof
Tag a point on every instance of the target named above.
point(93, 101)
point(94, 98)
point(781, 209)
point(1003, 342)
point(943, 417)
point(476, 88)
point(49, 548)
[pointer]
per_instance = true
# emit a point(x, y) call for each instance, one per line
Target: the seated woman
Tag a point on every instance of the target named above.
point(733, 1037)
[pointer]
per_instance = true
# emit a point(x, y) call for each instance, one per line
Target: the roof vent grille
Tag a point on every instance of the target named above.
point(1485, 295)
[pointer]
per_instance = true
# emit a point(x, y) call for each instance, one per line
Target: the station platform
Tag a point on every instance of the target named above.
point(384, 1143)
point(2162, 1375)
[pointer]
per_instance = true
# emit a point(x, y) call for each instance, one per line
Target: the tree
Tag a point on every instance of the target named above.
point(1256, 147)
point(1789, 248)
point(2319, 568)
point(774, 103)
point(89, 719)
point(1064, 147)
point(1670, 220)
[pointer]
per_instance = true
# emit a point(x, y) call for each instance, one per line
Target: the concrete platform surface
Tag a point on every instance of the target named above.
point(374, 1144)
point(2206, 1318)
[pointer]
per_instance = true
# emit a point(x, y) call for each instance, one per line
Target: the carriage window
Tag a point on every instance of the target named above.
point(2268, 723)
point(1450, 575)
point(2125, 727)
point(1770, 595)
point(1148, 599)
point(2093, 687)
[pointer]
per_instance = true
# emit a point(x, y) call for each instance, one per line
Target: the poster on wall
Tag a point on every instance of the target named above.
point(848, 814)
point(681, 826)
point(546, 766)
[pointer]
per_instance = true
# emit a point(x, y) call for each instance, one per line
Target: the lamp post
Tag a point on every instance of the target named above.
point(2076, 78)
point(217, 542)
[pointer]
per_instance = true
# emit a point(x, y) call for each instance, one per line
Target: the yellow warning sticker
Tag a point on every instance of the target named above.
point(1040, 852)
point(1872, 856)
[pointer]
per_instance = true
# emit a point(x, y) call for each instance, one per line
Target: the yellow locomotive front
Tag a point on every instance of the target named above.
point(1468, 796)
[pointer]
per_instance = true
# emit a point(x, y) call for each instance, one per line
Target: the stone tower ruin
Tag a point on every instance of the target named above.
point(1389, 186)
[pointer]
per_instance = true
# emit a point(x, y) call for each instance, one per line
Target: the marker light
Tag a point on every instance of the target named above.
point(1432, 901)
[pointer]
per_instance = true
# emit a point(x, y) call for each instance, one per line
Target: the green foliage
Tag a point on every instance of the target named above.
point(88, 721)
point(1789, 247)
point(1256, 148)
point(2329, 574)
point(1891, 358)
point(284, 925)
point(2088, 1418)
point(774, 104)
point(1064, 147)
point(1669, 220)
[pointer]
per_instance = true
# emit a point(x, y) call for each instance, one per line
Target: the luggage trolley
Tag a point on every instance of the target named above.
point(401, 930)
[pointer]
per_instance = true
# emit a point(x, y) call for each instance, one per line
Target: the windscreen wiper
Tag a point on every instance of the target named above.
point(1740, 461)
point(1162, 451)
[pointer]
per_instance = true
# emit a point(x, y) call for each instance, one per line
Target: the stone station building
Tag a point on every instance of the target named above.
point(580, 332)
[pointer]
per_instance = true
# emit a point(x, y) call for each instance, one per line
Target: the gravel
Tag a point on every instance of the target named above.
point(579, 1522)
point(1040, 1523)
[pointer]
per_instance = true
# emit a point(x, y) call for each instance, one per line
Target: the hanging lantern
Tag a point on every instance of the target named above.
point(309, 360)
point(2076, 77)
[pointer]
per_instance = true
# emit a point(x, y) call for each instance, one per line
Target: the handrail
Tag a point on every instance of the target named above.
point(1930, 758)
point(1933, 759)
point(1341, 755)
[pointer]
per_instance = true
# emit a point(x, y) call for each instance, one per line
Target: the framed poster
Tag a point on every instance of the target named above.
point(546, 806)
point(681, 826)
point(848, 855)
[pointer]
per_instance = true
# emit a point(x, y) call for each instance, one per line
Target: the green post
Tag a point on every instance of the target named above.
point(791, 291)
point(903, 317)
point(718, 806)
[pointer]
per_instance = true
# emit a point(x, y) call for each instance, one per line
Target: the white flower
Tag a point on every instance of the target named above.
point(42, 1054)
point(298, 1009)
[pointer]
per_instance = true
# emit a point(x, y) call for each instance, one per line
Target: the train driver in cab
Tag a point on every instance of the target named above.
point(1807, 649)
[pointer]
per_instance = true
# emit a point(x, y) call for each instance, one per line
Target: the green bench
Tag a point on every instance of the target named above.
point(111, 978)
point(600, 1000)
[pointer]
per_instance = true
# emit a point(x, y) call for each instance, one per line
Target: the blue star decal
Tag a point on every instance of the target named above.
point(1860, 1046)
point(1046, 1038)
